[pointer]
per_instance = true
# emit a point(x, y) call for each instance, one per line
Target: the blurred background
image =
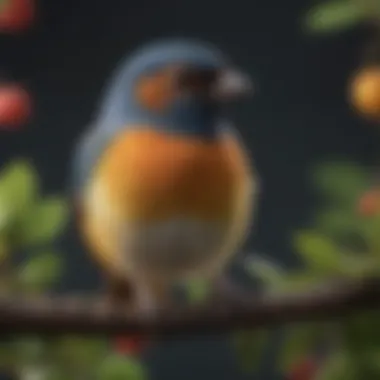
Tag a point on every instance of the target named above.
point(299, 117)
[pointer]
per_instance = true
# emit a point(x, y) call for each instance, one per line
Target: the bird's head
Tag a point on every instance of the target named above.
point(182, 84)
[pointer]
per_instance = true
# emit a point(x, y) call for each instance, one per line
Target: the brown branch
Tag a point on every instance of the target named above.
point(82, 315)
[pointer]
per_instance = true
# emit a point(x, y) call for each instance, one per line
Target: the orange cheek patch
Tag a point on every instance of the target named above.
point(155, 92)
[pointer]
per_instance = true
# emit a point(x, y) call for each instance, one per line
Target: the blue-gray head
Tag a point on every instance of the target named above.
point(175, 85)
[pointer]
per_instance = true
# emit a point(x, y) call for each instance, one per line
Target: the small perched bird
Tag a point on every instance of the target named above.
point(163, 183)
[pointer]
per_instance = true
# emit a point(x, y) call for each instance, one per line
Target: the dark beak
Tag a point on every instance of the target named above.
point(231, 84)
point(221, 85)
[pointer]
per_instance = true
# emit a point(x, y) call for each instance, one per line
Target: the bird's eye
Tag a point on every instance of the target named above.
point(197, 79)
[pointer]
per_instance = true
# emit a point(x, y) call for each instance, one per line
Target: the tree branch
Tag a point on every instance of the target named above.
point(62, 315)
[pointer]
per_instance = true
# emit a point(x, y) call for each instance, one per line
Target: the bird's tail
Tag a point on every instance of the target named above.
point(130, 345)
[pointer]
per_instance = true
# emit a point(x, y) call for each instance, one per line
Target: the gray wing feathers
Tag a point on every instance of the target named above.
point(86, 153)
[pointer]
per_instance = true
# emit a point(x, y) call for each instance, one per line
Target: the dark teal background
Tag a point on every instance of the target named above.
point(299, 115)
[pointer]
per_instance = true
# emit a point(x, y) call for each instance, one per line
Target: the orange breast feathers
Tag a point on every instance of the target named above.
point(148, 176)
point(151, 176)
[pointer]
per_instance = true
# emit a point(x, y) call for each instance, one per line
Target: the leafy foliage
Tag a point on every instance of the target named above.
point(116, 367)
point(319, 253)
point(338, 367)
point(17, 193)
point(298, 340)
point(337, 15)
point(27, 219)
point(42, 223)
point(39, 274)
point(268, 272)
point(250, 346)
point(73, 355)
point(32, 223)
point(342, 244)
point(28, 350)
point(197, 291)
point(340, 182)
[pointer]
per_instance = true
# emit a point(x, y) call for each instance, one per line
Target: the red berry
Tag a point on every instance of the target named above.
point(369, 203)
point(16, 15)
point(15, 106)
point(129, 345)
point(306, 370)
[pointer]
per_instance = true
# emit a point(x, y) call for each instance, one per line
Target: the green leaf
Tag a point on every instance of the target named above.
point(373, 361)
point(334, 16)
point(299, 341)
point(56, 374)
point(359, 266)
point(43, 223)
point(29, 350)
point(4, 249)
point(18, 189)
point(40, 272)
point(342, 182)
point(295, 282)
point(197, 291)
point(319, 252)
point(21, 181)
point(7, 357)
point(79, 352)
point(360, 338)
point(267, 272)
point(338, 367)
point(33, 372)
point(335, 221)
point(116, 367)
point(362, 332)
point(250, 346)
point(369, 229)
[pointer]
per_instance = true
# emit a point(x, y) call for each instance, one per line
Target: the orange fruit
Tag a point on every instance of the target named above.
point(364, 92)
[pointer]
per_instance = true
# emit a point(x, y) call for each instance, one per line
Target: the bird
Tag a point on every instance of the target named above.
point(164, 186)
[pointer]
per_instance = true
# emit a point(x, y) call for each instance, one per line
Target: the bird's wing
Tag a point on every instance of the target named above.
point(86, 153)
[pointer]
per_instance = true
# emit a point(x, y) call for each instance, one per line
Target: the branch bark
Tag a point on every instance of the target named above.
point(84, 315)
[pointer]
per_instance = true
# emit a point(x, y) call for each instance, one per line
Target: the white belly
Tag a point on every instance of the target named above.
point(177, 246)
